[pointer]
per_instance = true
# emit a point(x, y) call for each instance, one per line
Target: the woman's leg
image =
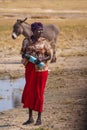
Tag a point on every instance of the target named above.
point(30, 120)
point(30, 115)
point(38, 122)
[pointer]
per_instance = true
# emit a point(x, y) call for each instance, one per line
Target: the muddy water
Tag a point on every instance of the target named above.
point(10, 93)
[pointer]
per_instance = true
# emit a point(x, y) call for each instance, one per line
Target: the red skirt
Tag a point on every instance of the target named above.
point(33, 93)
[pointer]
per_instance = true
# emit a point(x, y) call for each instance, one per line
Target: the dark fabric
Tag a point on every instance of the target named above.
point(36, 26)
point(33, 93)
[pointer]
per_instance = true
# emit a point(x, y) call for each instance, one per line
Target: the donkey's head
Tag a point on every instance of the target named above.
point(17, 28)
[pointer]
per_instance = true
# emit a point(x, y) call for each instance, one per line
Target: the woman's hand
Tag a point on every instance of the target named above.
point(37, 61)
point(24, 61)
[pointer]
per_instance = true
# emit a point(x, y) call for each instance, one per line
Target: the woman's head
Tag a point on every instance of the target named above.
point(37, 28)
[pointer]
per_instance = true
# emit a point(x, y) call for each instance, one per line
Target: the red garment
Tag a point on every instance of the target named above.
point(33, 93)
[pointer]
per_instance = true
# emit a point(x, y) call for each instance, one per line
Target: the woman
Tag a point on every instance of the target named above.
point(36, 77)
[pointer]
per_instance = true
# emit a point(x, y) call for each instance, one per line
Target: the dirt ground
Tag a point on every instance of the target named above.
point(65, 106)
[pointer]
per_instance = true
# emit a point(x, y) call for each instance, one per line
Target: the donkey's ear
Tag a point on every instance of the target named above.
point(24, 19)
point(19, 21)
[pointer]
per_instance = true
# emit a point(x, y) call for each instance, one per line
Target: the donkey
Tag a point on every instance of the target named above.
point(50, 32)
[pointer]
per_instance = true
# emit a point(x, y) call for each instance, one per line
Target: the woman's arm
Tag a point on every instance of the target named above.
point(47, 54)
point(24, 45)
point(24, 60)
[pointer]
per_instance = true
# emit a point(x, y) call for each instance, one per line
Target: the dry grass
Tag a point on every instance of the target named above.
point(56, 4)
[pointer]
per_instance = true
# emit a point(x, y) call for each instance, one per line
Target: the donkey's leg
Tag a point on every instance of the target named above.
point(54, 58)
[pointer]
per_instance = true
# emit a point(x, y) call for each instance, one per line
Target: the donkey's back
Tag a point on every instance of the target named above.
point(50, 32)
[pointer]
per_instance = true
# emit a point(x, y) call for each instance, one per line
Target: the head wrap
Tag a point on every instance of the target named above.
point(36, 26)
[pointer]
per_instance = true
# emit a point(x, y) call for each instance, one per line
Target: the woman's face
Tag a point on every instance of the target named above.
point(37, 33)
